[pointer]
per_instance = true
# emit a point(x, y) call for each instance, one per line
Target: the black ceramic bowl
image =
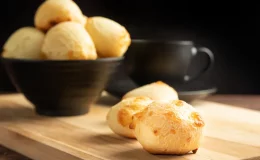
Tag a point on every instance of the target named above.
point(61, 88)
point(6, 85)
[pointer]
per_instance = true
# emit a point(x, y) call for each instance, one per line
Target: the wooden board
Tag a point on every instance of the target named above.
point(232, 133)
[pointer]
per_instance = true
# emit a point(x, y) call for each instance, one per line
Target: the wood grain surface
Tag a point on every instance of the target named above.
point(231, 133)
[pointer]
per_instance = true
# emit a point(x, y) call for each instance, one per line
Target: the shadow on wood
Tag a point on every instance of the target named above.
point(137, 153)
point(252, 158)
point(108, 100)
point(107, 139)
point(8, 114)
point(11, 111)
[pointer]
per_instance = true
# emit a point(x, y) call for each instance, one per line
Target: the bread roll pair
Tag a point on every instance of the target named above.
point(65, 41)
point(161, 122)
point(66, 37)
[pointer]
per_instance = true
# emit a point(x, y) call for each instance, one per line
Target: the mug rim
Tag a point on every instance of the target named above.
point(178, 42)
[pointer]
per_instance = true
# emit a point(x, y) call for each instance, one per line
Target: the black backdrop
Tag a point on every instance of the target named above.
point(228, 28)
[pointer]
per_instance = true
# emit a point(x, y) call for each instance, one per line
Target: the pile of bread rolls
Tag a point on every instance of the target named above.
point(62, 32)
point(161, 123)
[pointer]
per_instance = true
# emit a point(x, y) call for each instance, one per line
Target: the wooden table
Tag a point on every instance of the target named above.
point(244, 101)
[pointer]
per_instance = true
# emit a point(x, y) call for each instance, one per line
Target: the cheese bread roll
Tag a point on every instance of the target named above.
point(120, 115)
point(156, 91)
point(111, 39)
point(173, 127)
point(52, 12)
point(68, 41)
point(24, 43)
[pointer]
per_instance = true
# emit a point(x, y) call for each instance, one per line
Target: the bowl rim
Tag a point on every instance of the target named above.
point(108, 59)
point(160, 41)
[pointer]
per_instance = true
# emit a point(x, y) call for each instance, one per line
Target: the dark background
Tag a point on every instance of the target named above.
point(228, 28)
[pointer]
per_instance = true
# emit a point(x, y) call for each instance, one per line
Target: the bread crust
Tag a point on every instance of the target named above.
point(111, 38)
point(173, 127)
point(52, 12)
point(120, 115)
point(159, 91)
point(24, 43)
point(68, 41)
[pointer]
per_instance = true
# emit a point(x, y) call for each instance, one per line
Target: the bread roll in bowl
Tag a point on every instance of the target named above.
point(156, 91)
point(24, 43)
point(52, 12)
point(86, 20)
point(68, 41)
point(120, 115)
point(173, 127)
point(111, 39)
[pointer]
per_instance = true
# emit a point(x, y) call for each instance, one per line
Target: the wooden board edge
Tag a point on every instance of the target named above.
point(38, 151)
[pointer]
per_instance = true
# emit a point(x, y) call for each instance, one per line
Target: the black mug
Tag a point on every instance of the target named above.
point(147, 61)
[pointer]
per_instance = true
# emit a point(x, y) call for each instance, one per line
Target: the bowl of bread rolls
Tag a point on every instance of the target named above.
point(154, 115)
point(63, 62)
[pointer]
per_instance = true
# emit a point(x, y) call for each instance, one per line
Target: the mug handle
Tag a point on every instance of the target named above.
point(209, 53)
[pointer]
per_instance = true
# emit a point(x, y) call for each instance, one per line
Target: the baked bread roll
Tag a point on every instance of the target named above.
point(52, 12)
point(111, 39)
point(157, 91)
point(24, 43)
point(68, 41)
point(120, 115)
point(86, 20)
point(173, 127)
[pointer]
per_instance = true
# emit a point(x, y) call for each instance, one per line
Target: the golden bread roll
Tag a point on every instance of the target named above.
point(111, 39)
point(120, 115)
point(68, 41)
point(173, 127)
point(157, 91)
point(86, 19)
point(52, 12)
point(24, 43)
